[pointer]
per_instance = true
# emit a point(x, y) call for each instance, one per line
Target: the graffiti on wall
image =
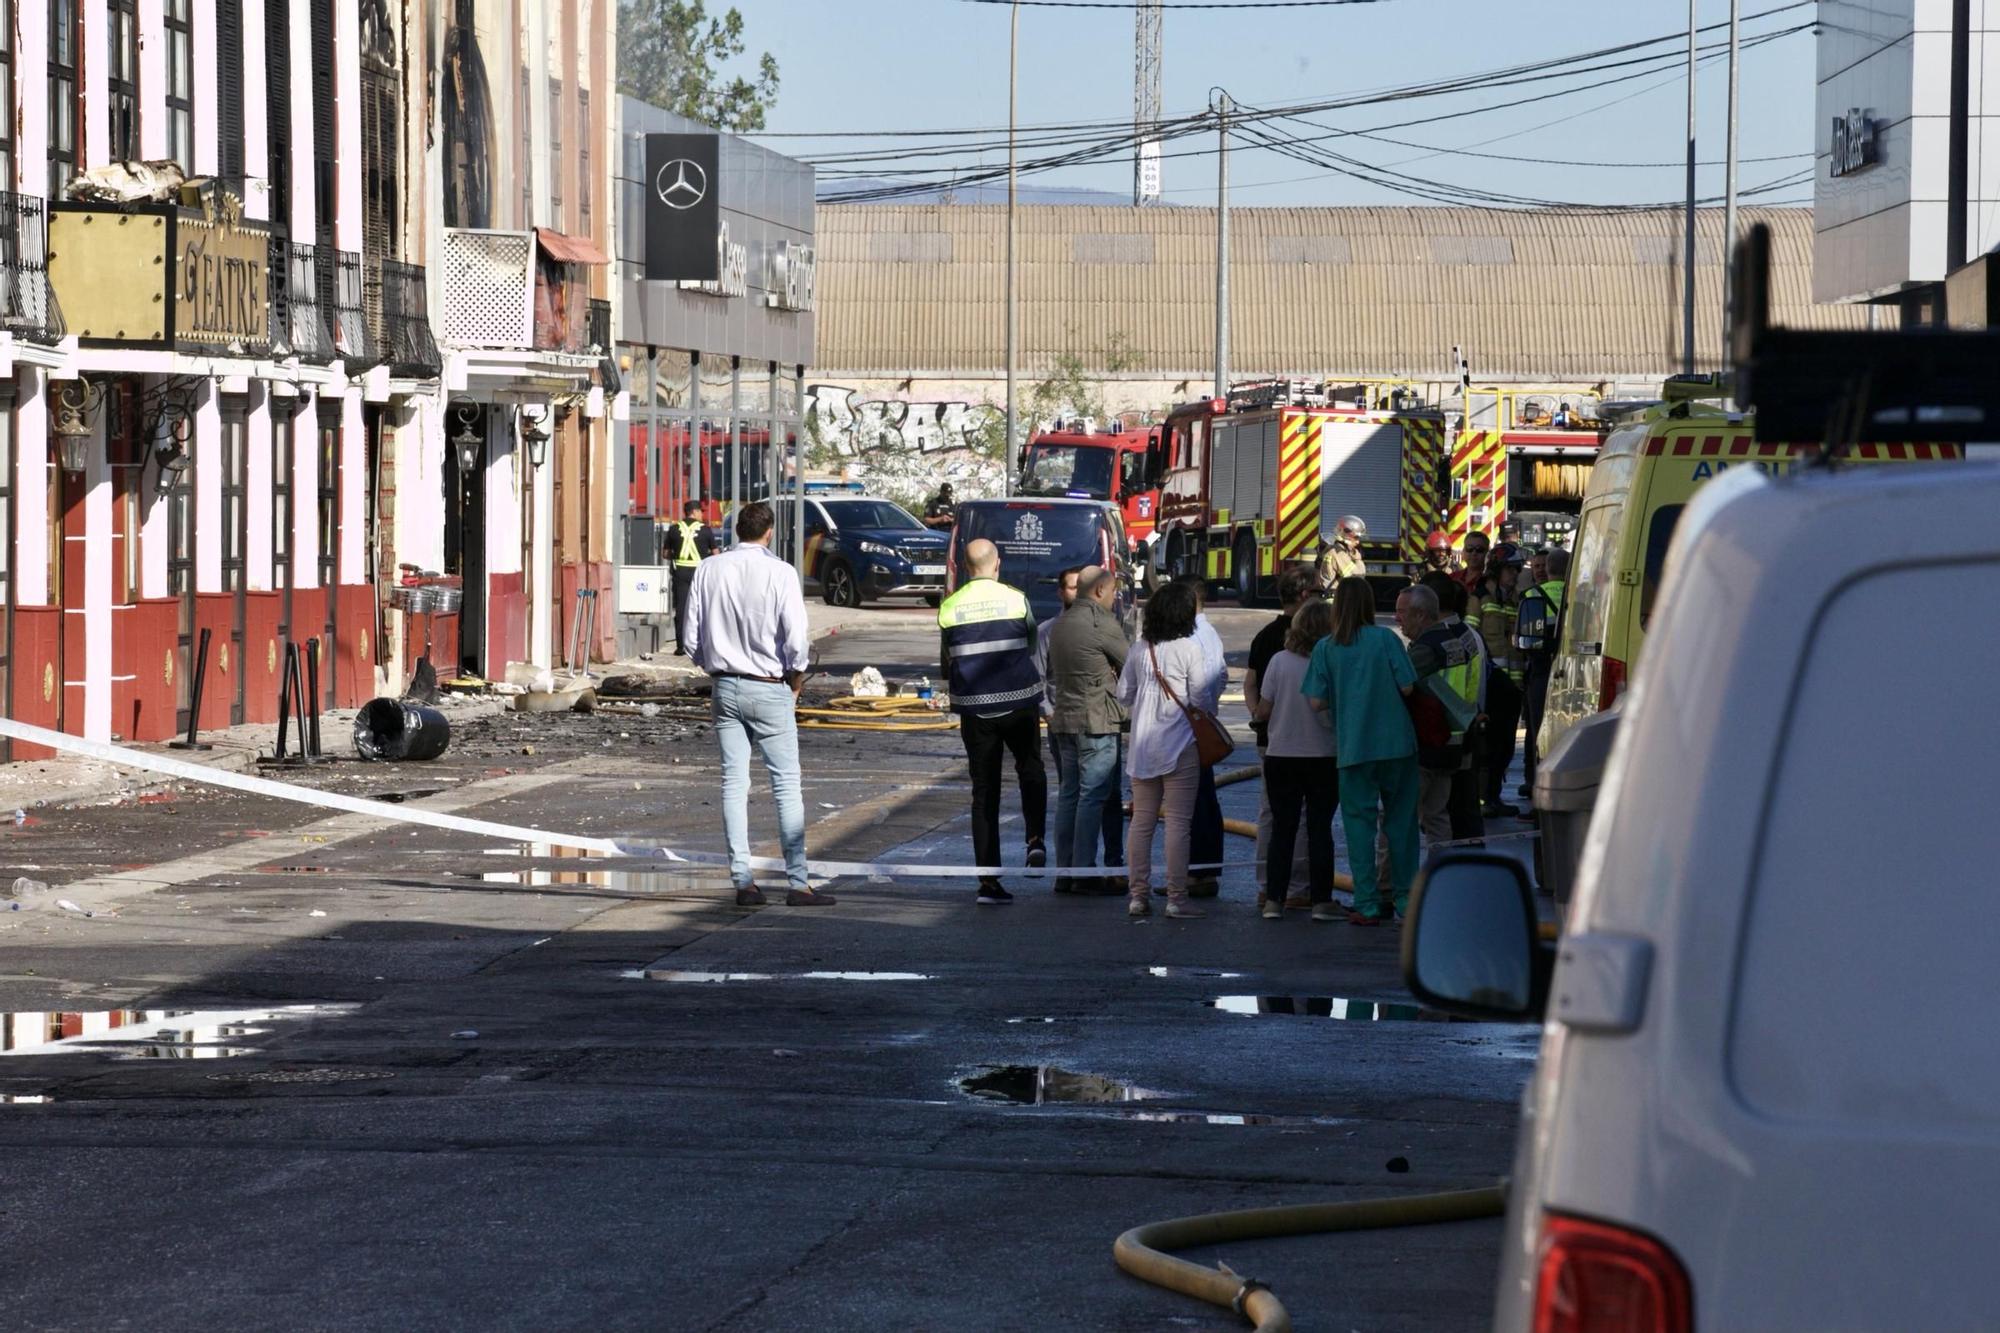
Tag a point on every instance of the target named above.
point(854, 426)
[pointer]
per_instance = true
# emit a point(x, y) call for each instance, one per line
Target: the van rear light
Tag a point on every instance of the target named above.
point(1610, 682)
point(1602, 1279)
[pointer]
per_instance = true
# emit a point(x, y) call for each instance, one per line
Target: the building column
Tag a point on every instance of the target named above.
point(207, 80)
point(152, 79)
point(208, 465)
point(94, 604)
point(258, 478)
point(305, 498)
point(30, 570)
point(543, 588)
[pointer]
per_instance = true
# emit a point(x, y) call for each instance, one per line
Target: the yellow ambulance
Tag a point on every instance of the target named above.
point(1646, 473)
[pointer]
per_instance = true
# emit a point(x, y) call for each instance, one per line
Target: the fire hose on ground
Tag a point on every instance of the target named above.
point(1142, 1250)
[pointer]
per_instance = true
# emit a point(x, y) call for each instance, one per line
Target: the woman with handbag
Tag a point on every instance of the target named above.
point(1165, 676)
point(1361, 675)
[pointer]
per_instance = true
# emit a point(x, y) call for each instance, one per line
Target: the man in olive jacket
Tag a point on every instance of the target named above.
point(1086, 652)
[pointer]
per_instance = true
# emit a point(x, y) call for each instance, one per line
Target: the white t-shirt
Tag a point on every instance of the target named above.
point(1160, 730)
point(1297, 729)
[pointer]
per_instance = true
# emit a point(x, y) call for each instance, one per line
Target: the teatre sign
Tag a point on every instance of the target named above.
point(220, 272)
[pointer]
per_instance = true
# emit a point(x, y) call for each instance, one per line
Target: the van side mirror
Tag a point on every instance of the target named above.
point(1473, 942)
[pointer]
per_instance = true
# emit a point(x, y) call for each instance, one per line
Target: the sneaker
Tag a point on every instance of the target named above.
point(1329, 912)
point(1204, 886)
point(749, 896)
point(1297, 902)
point(1138, 907)
point(1524, 791)
point(1038, 855)
point(991, 894)
point(1273, 910)
point(808, 898)
point(1181, 911)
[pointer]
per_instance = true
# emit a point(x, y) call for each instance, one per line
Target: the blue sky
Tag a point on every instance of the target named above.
point(926, 64)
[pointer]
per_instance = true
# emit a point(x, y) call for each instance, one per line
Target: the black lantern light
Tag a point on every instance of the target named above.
point(172, 430)
point(468, 441)
point(535, 434)
point(76, 402)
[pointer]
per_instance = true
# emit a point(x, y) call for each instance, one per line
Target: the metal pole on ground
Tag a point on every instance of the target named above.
point(1729, 185)
point(1222, 106)
point(1013, 293)
point(1687, 244)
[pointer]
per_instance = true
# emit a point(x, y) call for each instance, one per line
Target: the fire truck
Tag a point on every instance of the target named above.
point(1084, 464)
point(1521, 452)
point(1257, 482)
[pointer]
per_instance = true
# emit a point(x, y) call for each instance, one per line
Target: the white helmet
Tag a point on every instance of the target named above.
point(1351, 523)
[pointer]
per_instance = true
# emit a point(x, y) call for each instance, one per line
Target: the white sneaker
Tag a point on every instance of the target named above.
point(1273, 910)
point(1138, 907)
point(1183, 911)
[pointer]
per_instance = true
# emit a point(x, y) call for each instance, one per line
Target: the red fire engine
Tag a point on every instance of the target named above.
point(1097, 465)
point(670, 469)
point(1257, 482)
point(1525, 453)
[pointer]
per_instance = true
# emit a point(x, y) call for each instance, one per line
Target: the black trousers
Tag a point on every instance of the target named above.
point(1466, 819)
point(683, 586)
point(1205, 831)
point(987, 739)
point(1534, 701)
point(1503, 719)
point(1315, 785)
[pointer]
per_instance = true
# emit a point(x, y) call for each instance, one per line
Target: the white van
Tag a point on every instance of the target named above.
point(1768, 1095)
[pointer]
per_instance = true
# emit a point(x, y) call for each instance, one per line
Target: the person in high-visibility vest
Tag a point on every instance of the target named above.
point(1537, 634)
point(687, 544)
point(1451, 652)
point(987, 634)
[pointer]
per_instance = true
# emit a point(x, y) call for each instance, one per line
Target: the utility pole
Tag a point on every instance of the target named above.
point(1687, 246)
point(1013, 292)
point(1729, 189)
point(1222, 107)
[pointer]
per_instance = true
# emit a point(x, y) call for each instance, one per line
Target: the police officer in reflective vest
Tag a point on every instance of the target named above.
point(687, 544)
point(1449, 661)
point(988, 655)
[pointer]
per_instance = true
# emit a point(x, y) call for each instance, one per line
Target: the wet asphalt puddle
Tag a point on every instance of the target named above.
point(1066, 1091)
point(154, 1034)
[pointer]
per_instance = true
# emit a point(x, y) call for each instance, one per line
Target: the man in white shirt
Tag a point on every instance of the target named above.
point(746, 627)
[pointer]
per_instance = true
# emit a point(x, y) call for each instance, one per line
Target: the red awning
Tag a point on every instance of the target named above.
point(569, 249)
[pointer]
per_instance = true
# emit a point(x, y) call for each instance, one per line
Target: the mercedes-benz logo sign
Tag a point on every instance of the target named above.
point(681, 184)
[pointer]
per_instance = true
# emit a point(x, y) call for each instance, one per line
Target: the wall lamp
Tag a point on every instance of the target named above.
point(76, 402)
point(535, 434)
point(468, 441)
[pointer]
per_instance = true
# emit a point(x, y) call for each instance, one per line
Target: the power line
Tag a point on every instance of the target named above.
point(1175, 4)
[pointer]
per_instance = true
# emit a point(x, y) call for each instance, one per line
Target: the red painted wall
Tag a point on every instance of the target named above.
point(263, 656)
point(37, 671)
point(354, 644)
point(142, 648)
point(444, 645)
point(506, 623)
point(215, 612)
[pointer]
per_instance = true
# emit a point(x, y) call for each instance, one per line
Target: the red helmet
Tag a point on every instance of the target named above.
point(1438, 541)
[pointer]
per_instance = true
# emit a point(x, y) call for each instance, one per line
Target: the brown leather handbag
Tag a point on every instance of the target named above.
point(1212, 741)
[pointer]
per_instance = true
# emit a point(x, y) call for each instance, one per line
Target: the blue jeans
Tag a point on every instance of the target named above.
point(1088, 805)
point(755, 711)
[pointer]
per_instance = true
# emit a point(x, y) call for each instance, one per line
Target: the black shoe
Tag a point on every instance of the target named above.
point(1524, 791)
point(750, 896)
point(1499, 810)
point(1038, 855)
point(991, 894)
point(1204, 886)
point(1105, 886)
point(808, 898)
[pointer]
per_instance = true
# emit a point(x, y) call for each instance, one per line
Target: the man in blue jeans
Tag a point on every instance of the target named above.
point(746, 627)
point(1087, 650)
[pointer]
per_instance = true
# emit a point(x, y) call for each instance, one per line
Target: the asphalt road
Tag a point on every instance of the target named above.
point(531, 1092)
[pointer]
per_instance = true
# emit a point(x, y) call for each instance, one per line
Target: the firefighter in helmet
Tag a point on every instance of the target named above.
point(1438, 554)
point(1342, 559)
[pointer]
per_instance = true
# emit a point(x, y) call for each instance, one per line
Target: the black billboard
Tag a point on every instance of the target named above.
point(683, 213)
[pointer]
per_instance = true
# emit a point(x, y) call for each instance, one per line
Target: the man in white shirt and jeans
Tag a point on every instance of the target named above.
point(746, 627)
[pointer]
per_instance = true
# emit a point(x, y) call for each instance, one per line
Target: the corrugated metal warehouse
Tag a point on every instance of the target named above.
point(1530, 296)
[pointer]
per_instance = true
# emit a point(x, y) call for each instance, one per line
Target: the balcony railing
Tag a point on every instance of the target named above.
point(298, 322)
point(342, 299)
point(399, 317)
point(503, 290)
point(27, 302)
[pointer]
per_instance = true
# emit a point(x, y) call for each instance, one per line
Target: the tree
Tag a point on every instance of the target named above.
point(669, 53)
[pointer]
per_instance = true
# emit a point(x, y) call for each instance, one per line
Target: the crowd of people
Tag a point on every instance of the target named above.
point(1407, 734)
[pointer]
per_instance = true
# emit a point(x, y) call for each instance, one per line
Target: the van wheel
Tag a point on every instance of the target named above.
point(1244, 564)
point(841, 589)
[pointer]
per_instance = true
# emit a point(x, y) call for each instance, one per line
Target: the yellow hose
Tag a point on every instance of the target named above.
point(1141, 1251)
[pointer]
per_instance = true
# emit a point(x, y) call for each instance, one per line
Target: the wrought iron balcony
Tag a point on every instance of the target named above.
point(27, 303)
point(298, 322)
point(399, 317)
point(342, 300)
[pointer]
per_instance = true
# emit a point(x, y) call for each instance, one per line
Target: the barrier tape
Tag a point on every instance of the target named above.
point(168, 766)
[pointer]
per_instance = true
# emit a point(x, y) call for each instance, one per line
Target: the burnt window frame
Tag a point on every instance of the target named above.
point(556, 219)
point(583, 191)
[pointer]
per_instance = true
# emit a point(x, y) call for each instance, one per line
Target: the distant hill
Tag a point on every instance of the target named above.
point(991, 193)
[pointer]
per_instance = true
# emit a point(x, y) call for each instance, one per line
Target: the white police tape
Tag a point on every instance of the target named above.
point(168, 766)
